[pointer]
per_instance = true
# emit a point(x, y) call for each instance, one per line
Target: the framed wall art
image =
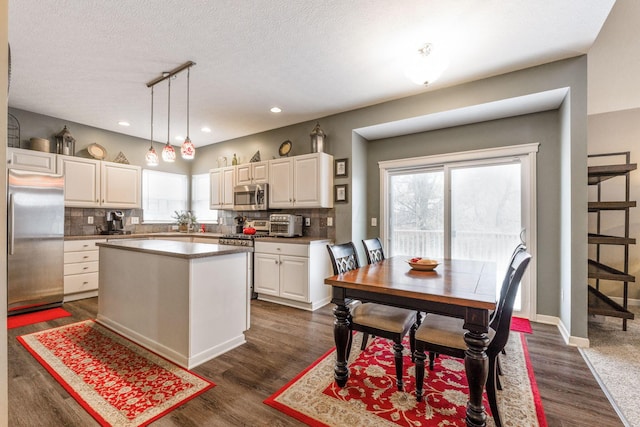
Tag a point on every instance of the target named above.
point(340, 194)
point(341, 168)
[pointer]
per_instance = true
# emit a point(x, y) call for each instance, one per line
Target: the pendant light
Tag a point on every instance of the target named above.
point(152, 156)
point(188, 150)
point(168, 153)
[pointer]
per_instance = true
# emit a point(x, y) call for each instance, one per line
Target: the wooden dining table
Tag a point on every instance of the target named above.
point(460, 288)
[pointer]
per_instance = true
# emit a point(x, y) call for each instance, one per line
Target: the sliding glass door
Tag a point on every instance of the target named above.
point(477, 209)
point(486, 214)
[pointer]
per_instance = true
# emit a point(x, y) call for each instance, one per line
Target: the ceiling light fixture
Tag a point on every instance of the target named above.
point(168, 152)
point(276, 110)
point(428, 66)
point(152, 157)
point(188, 150)
point(206, 129)
point(123, 123)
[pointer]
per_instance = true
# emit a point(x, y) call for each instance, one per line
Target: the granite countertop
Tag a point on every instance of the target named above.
point(172, 248)
point(143, 236)
point(305, 240)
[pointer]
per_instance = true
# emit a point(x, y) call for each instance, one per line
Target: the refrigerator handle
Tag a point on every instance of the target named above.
point(11, 225)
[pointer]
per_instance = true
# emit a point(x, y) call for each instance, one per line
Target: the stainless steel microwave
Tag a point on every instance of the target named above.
point(253, 197)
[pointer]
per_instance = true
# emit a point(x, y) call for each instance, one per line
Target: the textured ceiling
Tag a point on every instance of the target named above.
point(87, 61)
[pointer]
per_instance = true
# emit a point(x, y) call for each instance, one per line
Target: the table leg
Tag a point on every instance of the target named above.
point(341, 335)
point(476, 364)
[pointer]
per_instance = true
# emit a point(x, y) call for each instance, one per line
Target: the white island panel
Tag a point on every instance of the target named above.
point(187, 309)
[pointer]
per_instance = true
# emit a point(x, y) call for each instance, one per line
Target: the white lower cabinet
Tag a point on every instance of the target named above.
point(81, 266)
point(292, 274)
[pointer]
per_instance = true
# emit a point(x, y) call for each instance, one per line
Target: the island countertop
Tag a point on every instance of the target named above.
point(172, 248)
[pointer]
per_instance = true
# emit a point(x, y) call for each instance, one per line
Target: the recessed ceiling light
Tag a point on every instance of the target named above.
point(206, 129)
point(123, 123)
point(276, 110)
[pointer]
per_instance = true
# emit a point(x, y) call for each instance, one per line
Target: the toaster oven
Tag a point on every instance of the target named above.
point(285, 225)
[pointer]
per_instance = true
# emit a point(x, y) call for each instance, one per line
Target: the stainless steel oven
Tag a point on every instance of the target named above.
point(240, 239)
point(253, 197)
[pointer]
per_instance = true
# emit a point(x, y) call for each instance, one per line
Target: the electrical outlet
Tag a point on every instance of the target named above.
point(135, 220)
point(374, 222)
point(307, 222)
point(89, 220)
point(329, 221)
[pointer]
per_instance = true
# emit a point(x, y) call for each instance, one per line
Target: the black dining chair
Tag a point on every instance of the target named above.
point(373, 249)
point(381, 320)
point(445, 335)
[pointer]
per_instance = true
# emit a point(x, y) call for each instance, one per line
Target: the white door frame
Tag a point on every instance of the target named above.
point(526, 154)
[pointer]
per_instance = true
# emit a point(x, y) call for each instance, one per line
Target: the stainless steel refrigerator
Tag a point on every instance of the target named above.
point(35, 241)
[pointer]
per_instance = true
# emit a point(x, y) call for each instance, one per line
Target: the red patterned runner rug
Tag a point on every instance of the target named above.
point(371, 398)
point(19, 320)
point(118, 382)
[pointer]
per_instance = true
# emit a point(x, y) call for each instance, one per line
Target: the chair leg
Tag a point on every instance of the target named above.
point(397, 352)
point(432, 359)
point(491, 391)
point(412, 341)
point(365, 338)
point(419, 357)
point(499, 372)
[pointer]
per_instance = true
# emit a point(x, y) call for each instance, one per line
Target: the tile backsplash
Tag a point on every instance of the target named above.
point(76, 221)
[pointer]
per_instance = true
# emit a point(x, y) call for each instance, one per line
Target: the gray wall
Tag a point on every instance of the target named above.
point(540, 127)
point(34, 125)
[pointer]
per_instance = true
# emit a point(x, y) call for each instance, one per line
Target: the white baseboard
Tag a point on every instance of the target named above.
point(568, 339)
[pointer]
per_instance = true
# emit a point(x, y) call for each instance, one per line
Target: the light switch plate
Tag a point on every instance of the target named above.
point(329, 221)
point(307, 222)
point(374, 222)
point(135, 220)
point(89, 220)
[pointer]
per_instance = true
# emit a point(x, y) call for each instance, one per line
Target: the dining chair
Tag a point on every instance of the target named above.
point(445, 335)
point(373, 249)
point(380, 320)
point(375, 253)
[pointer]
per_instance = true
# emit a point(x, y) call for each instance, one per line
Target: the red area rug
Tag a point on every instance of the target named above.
point(519, 324)
point(371, 398)
point(35, 317)
point(118, 382)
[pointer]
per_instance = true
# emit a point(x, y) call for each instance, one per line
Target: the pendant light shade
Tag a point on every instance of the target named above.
point(188, 150)
point(168, 153)
point(152, 157)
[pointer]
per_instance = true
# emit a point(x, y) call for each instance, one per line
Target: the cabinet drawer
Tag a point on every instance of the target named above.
point(80, 283)
point(81, 267)
point(282, 249)
point(81, 245)
point(82, 256)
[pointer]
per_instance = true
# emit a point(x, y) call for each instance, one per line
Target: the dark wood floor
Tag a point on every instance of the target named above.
point(282, 342)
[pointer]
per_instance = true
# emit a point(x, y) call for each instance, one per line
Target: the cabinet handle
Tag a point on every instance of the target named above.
point(276, 262)
point(85, 283)
point(97, 201)
point(85, 268)
point(85, 257)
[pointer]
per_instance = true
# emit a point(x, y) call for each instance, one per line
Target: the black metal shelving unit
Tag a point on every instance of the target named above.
point(599, 303)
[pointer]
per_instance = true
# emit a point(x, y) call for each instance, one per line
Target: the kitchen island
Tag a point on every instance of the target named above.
point(188, 302)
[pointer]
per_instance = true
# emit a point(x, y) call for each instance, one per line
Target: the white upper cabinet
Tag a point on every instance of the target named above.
point(252, 173)
point(222, 181)
point(31, 160)
point(121, 185)
point(301, 182)
point(94, 183)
